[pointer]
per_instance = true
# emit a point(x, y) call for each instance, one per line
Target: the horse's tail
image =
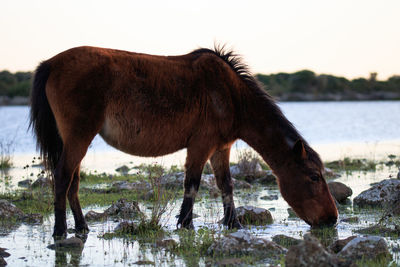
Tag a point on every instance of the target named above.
point(42, 121)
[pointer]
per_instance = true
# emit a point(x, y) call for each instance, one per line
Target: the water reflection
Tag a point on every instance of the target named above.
point(74, 253)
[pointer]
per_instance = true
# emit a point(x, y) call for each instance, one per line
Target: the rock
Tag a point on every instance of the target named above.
point(369, 247)
point(250, 170)
point(398, 175)
point(167, 243)
point(380, 230)
point(94, 216)
point(3, 253)
point(271, 197)
point(339, 244)
point(42, 182)
point(173, 180)
point(25, 183)
point(9, 211)
point(125, 185)
point(330, 174)
point(235, 171)
point(384, 193)
point(268, 178)
point(243, 243)
point(123, 169)
point(208, 182)
point(123, 208)
point(238, 184)
point(286, 241)
point(310, 252)
point(144, 263)
point(32, 218)
point(339, 191)
point(254, 216)
point(72, 242)
point(126, 228)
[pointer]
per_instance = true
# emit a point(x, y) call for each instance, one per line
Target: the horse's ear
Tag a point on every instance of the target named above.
point(299, 150)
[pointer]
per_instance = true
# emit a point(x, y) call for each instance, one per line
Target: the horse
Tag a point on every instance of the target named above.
point(150, 105)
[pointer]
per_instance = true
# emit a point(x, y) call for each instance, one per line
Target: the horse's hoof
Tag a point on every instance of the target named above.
point(234, 225)
point(84, 229)
point(59, 234)
point(188, 226)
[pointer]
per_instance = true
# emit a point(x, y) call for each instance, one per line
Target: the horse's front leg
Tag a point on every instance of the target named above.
point(195, 161)
point(220, 164)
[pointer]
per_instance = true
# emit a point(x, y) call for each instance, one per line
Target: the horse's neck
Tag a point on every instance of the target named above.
point(269, 133)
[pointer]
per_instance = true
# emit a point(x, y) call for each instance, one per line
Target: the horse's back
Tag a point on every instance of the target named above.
point(141, 104)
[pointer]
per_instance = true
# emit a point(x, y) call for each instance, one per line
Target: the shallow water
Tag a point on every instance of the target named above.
point(28, 244)
point(335, 130)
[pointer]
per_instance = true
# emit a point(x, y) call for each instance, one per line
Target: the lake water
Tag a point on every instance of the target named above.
point(334, 129)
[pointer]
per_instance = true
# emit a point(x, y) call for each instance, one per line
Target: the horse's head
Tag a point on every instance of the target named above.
point(303, 186)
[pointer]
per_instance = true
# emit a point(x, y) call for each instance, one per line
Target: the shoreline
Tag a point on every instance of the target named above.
point(108, 161)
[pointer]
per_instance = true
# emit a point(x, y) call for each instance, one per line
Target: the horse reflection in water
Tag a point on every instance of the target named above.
point(149, 106)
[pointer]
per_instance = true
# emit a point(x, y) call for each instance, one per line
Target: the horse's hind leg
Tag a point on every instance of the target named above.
point(195, 161)
point(220, 164)
point(73, 199)
point(72, 154)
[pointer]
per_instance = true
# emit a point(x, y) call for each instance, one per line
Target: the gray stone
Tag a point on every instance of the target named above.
point(243, 243)
point(123, 169)
point(330, 174)
point(339, 244)
point(250, 169)
point(239, 184)
point(72, 242)
point(253, 215)
point(124, 185)
point(268, 178)
point(269, 197)
point(384, 193)
point(123, 208)
point(32, 218)
point(369, 247)
point(9, 211)
point(42, 182)
point(126, 228)
point(339, 191)
point(310, 253)
point(94, 216)
point(173, 180)
point(25, 183)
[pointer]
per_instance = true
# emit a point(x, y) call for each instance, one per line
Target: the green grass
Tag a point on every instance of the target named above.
point(347, 164)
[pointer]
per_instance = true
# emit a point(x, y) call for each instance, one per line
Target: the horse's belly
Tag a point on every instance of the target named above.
point(147, 140)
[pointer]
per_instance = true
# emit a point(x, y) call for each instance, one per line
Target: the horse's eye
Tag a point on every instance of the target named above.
point(314, 178)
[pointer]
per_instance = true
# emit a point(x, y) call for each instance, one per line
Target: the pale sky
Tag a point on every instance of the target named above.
point(349, 38)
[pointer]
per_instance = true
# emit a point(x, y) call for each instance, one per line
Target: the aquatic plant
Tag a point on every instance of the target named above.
point(6, 150)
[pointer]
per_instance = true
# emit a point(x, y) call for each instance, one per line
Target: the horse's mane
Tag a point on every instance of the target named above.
point(237, 64)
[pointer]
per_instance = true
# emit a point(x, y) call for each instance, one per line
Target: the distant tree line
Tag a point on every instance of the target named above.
point(302, 85)
point(306, 85)
point(15, 84)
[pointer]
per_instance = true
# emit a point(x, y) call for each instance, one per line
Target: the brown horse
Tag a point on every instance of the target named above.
point(150, 105)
